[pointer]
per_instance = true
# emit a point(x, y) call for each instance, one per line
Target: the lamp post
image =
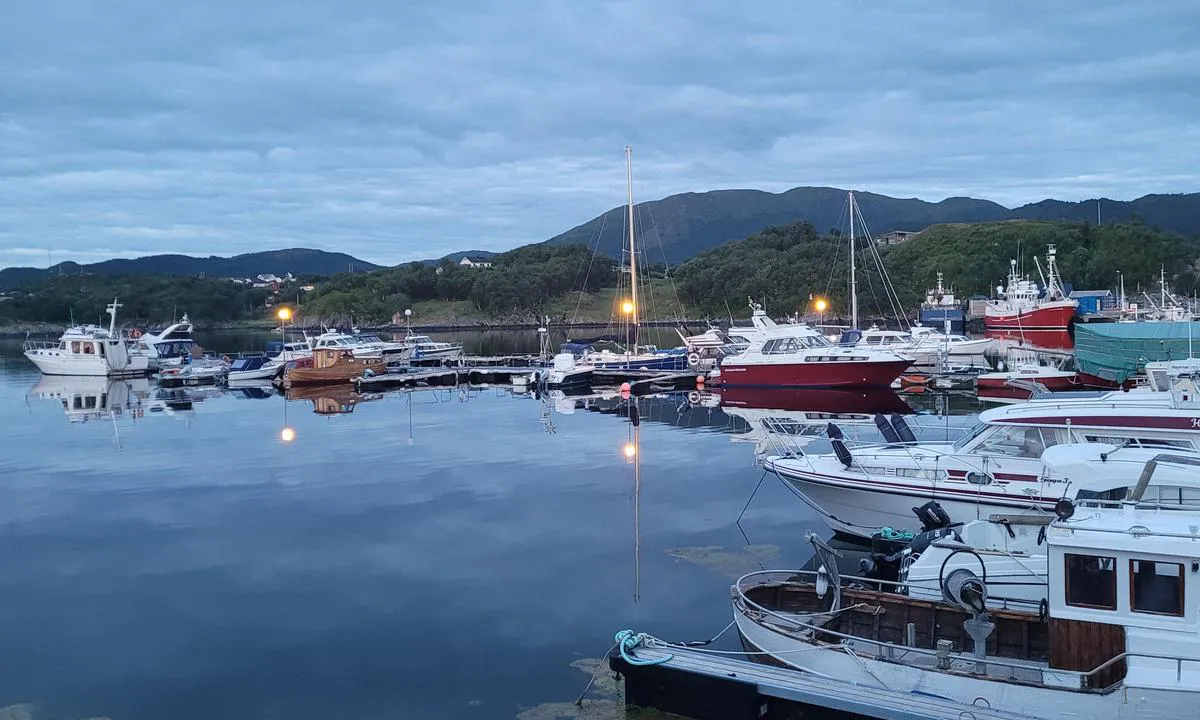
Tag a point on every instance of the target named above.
point(284, 314)
point(821, 305)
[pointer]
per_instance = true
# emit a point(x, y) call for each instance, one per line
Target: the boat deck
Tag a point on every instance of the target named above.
point(704, 686)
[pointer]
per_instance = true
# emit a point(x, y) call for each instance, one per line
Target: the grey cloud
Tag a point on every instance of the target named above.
point(397, 132)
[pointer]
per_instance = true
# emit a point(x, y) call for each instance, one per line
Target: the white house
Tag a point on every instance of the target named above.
point(474, 262)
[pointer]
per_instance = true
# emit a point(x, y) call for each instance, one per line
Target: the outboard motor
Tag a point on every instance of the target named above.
point(885, 427)
point(902, 430)
point(932, 516)
point(888, 555)
point(837, 440)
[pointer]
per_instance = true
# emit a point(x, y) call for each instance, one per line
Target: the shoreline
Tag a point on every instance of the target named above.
point(50, 330)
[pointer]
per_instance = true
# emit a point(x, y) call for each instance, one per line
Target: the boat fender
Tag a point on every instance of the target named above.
point(1043, 610)
point(822, 581)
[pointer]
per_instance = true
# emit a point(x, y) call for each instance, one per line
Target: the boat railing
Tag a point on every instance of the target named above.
point(40, 345)
point(812, 623)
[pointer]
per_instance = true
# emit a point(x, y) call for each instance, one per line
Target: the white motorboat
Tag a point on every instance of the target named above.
point(89, 350)
point(168, 347)
point(360, 346)
point(567, 372)
point(255, 367)
point(996, 467)
point(423, 347)
point(952, 345)
point(202, 371)
point(1115, 638)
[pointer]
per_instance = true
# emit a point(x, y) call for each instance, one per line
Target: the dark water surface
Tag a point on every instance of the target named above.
point(436, 554)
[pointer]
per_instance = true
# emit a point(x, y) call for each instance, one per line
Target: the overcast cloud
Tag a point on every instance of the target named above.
point(396, 131)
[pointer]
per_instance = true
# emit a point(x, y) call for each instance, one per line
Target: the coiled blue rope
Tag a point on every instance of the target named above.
point(628, 640)
point(888, 533)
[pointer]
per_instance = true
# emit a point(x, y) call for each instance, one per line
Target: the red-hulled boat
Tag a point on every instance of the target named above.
point(799, 356)
point(1022, 307)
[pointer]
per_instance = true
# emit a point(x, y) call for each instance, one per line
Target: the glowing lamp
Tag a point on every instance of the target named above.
point(287, 434)
point(630, 450)
point(627, 307)
point(821, 305)
point(284, 314)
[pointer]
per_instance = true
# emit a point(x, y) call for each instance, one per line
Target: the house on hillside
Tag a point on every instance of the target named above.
point(896, 237)
point(475, 262)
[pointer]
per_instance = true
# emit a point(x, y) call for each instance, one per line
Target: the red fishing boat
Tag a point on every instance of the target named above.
point(1022, 306)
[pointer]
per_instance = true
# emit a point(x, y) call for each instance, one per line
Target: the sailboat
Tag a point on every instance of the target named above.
point(628, 353)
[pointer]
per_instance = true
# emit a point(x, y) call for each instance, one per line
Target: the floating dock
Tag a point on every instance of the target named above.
point(475, 374)
point(704, 686)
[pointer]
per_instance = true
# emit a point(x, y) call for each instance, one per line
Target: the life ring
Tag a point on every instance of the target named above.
point(226, 360)
point(694, 397)
point(693, 359)
point(135, 333)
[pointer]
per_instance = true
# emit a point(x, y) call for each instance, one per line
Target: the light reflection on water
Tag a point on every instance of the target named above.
point(433, 554)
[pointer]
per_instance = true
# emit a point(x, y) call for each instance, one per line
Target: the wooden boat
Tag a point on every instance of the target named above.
point(332, 365)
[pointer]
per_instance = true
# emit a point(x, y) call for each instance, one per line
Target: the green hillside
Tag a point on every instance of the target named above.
point(782, 266)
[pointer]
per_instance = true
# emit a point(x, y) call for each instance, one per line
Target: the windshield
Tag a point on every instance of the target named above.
point(975, 432)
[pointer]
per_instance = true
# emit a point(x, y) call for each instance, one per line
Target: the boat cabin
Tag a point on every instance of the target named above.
point(1125, 596)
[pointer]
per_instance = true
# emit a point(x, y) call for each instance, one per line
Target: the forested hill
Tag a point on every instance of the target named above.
point(680, 226)
point(783, 265)
point(298, 261)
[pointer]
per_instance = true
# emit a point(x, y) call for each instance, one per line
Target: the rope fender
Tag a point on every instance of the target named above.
point(628, 640)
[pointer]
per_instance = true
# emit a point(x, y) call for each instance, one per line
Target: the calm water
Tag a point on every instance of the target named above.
point(438, 554)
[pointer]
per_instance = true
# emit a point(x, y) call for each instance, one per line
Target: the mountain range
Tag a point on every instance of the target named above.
point(680, 226)
point(298, 261)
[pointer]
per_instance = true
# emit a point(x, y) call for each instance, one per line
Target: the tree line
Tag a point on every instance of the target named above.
point(784, 266)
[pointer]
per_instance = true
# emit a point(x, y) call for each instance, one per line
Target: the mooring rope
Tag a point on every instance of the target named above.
point(628, 640)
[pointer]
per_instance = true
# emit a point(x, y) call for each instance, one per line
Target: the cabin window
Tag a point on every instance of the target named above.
point(780, 346)
point(978, 478)
point(1091, 581)
point(1137, 442)
point(1014, 441)
point(1156, 587)
point(75, 346)
point(100, 346)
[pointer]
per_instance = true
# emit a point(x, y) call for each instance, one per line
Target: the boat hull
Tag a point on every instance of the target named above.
point(864, 508)
point(342, 372)
point(86, 366)
point(813, 374)
point(855, 669)
point(1050, 316)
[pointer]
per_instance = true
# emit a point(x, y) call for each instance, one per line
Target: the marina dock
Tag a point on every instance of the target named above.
point(482, 370)
point(704, 686)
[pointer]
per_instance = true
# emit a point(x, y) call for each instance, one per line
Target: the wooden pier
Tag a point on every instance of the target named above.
point(704, 686)
point(482, 371)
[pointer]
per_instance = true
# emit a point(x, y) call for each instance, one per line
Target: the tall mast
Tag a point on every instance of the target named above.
point(853, 280)
point(633, 276)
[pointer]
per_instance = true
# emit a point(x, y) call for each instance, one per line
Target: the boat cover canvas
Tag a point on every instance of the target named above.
point(1117, 351)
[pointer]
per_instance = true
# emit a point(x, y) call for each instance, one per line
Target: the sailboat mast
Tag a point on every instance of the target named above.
point(853, 279)
point(633, 276)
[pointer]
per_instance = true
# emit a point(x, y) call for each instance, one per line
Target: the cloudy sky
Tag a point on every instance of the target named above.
point(399, 130)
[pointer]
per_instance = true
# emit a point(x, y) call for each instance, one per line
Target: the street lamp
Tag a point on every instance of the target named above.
point(284, 314)
point(627, 307)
